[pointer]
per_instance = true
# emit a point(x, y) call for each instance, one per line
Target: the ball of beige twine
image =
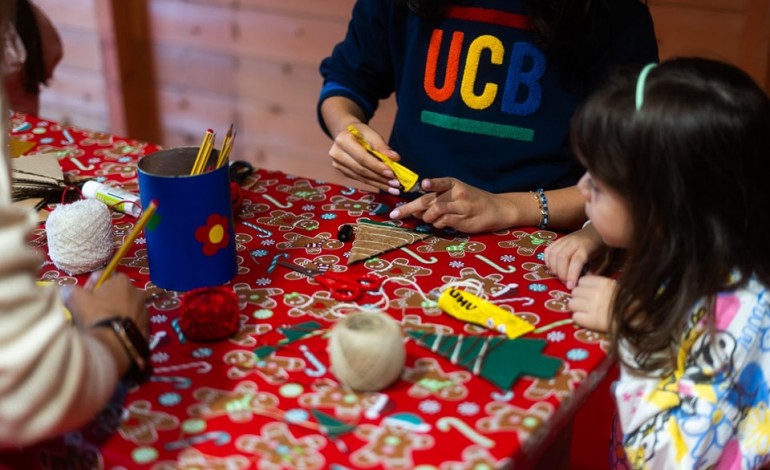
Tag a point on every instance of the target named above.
point(366, 350)
point(80, 236)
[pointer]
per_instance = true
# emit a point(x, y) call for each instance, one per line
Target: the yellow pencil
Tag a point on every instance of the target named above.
point(148, 212)
point(227, 146)
point(203, 153)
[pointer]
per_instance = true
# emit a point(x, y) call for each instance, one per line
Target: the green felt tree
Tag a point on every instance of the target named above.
point(495, 358)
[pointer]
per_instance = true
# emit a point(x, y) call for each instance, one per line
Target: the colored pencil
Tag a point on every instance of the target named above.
point(146, 214)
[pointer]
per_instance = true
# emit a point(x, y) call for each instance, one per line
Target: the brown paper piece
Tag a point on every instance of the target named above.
point(374, 239)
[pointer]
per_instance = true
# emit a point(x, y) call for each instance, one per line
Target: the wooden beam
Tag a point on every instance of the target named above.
point(128, 67)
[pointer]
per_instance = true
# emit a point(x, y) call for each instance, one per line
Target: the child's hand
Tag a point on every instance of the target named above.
point(353, 161)
point(591, 302)
point(116, 296)
point(567, 256)
point(452, 203)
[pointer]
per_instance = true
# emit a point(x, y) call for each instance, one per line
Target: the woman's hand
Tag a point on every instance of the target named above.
point(353, 161)
point(567, 256)
point(452, 203)
point(591, 302)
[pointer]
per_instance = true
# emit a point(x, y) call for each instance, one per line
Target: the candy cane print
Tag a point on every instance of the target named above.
point(278, 204)
point(418, 257)
point(155, 339)
point(22, 127)
point(77, 163)
point(180, 383)
point(68, 137)
point(553, 325)
point(373, 412)
point(319, 368)
point(274, 262)
point(178, 331)
point(447, 422)
point(203, 367)
point(263, 233)
point(220, 438)
point(509, 269)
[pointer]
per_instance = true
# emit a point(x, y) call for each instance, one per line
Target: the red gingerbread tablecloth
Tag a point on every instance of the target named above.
point(217, 405)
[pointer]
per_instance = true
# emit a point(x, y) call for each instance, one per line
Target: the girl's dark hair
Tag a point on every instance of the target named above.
point(566, 30)
point(25, 22)
point(692, 165)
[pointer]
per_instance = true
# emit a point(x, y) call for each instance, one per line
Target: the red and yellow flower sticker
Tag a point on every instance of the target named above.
point(213, 235)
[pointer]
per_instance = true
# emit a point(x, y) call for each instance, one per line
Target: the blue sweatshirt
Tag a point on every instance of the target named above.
point(476, 98)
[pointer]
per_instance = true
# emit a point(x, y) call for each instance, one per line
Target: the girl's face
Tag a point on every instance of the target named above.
point(607, 211)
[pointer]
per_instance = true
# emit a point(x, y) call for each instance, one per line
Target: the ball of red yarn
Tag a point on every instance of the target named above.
point(209, 314)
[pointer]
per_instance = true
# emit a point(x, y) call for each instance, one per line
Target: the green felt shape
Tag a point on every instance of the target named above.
point(330, 425)
point(292, 333)
point(504, 360)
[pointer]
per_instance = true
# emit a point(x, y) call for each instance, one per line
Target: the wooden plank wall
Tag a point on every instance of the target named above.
point(255, 63)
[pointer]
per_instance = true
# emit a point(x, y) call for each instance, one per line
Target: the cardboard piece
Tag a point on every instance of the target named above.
point(374, 239)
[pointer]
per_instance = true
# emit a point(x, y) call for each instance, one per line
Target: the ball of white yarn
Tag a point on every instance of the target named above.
point(80, 236)
point(366, 351)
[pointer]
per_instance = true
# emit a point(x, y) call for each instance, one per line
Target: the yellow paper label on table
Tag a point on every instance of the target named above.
point(468, 307)
point(404, 175)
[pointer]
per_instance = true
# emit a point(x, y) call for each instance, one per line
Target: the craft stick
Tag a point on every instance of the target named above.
point(199, 157)
point(148, 212)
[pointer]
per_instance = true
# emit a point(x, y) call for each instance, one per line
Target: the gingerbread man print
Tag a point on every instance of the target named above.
point(276, 448)
point(561, 385)
point(260, 297)
point(527, 244)
point(320, 305)
point(191, 458)
point(503, 417)
point(274, 368)
point(355, 207)
point(347, 405)
point(476, 457)
point(239, 405)
point(398, 268)
point(429, 379)
point(302, 190)
point(457, 247)
point(141, 425)
point(286, 221)
point(392, 444)
point(311, 245)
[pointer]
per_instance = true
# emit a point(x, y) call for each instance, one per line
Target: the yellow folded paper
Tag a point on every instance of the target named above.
point(468, 307)
point(404, 175)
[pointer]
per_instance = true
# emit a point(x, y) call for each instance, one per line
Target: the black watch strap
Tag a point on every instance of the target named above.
point(133, 343)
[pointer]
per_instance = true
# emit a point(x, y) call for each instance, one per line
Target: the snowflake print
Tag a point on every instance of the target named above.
point(541, 256)
point(169, 399)
point(556, 336)
point(160, 318)
point(308, 207)
point(507, 258)
point(429, 407)
point(577, 354)
point(537, 287)
point(202, 353)
point(456, 264)
point(268, 242)
point(259, 253)
point(140, 241)
point(263, 281)
point(328, 216)
point(468, 408)
point(160, 357)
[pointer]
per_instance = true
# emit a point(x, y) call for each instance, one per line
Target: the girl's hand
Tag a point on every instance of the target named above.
point(353, 161)
point(591, 302)
point(452, 203)
point(567, 256)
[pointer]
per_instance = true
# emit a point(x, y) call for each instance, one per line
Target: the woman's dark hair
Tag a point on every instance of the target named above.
point(25, 22)
point(566, 30)
point(692, 165)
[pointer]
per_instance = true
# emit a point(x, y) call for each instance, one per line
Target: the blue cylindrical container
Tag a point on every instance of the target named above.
point(191, 237)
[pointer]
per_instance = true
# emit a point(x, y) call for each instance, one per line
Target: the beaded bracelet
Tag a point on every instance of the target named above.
point(542, 203)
